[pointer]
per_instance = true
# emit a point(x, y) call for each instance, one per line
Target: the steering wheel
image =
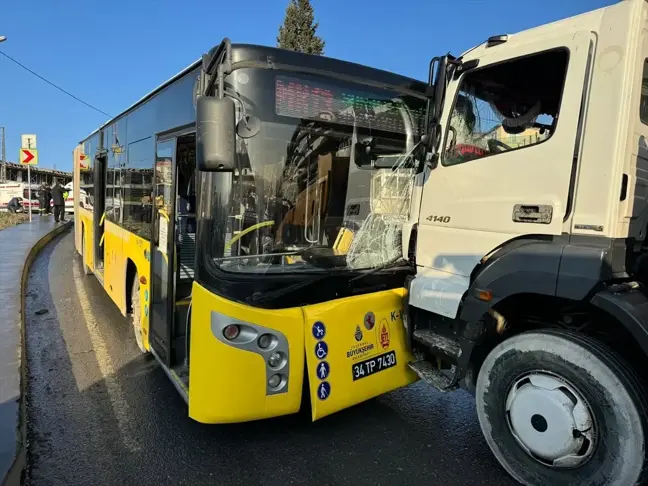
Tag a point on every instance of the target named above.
point(497, 146)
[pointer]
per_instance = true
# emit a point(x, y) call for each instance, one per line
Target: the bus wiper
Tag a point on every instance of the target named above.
point(391, 263)
point(258, 298)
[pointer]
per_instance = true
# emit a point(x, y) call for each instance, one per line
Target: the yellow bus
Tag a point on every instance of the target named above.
point(219, 215)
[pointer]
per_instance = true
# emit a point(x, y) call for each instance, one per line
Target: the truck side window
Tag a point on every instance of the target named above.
point(643, 108)
point(506, 106)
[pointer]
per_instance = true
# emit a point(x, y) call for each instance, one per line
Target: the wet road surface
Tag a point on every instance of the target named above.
point(101, 413)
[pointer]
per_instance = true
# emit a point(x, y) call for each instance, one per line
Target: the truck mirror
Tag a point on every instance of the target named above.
point(215, 134)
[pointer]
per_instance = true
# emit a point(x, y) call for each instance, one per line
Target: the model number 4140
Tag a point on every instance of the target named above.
point(439, 219)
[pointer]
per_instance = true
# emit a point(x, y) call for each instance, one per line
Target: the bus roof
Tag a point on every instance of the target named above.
point(264, 55)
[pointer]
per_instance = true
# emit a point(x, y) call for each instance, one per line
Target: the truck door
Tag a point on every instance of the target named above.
point(507, 160)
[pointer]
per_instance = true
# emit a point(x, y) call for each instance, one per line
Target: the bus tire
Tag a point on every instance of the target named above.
point(84, 266)
point(135, 316)
point(561, 408)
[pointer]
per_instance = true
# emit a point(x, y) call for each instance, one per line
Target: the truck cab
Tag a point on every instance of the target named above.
point(527, 229)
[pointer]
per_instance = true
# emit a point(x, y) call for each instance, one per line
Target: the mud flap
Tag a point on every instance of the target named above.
point(355, 350)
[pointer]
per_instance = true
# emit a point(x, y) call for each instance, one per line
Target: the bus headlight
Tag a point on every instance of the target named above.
point(271, 345)
point(275, 360)
point(231, 332)
point(274, 381)
point(265, 341)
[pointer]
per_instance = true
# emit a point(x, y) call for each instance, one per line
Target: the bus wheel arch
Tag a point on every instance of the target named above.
point(133, 304)
point(593, 375)
point(84, 265)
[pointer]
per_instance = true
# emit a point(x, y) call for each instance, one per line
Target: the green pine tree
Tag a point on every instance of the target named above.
point(298, 30)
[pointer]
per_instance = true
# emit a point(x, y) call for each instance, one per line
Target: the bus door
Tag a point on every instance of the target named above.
point(99, 216)
point(163, 250)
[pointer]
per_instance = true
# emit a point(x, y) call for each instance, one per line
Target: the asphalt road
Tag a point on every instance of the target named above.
point(101, 413)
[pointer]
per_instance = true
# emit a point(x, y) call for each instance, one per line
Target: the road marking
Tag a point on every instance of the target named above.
point(120, 406)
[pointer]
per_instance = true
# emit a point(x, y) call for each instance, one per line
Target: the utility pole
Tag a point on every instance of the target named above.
point(3, 169)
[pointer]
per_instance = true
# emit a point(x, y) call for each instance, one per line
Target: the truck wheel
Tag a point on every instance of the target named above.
point(135, 316)
point(560, 408)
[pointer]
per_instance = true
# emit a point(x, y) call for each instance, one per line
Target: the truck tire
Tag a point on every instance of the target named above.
point(560, 408)
point(135, 316)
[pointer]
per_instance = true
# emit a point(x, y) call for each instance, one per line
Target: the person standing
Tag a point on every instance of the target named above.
point(41, 199)
point(48, 198)
point(59, 202)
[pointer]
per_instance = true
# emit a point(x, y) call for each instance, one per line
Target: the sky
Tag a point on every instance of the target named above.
point(111, 53)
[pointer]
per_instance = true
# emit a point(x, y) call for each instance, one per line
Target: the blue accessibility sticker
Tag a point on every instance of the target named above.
point(323, 390)
point(321, 350)
point(146, 295)
point(319, 330)
point(323, 370)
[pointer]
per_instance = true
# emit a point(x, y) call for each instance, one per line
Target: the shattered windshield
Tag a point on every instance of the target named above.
point(324, 184)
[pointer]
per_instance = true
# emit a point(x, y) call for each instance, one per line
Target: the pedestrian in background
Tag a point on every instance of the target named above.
point(59, 202)
point(41, 199)
point(48, 199)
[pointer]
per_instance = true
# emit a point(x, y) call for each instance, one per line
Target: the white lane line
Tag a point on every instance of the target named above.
point(121, 409)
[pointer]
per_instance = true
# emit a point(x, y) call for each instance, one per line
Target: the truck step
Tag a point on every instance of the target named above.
point(437, 344)
point(432, 375)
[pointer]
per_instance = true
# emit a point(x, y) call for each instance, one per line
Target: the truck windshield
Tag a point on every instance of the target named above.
point(324, 184)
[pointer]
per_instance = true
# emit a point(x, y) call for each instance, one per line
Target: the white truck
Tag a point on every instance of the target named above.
point(528, 230)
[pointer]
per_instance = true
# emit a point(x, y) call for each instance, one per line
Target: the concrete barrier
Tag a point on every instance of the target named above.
point(12, 469)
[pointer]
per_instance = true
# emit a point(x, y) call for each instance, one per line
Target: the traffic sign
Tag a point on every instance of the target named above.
point(83, 161)
point(28, 141)
point(29, 156)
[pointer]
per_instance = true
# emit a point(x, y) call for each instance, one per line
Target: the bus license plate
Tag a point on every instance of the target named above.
point(373, 365)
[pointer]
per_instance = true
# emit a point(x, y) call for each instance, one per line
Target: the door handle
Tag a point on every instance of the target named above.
point(532, 213)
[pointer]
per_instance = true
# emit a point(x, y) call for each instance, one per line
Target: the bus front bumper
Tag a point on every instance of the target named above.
point(353, 349)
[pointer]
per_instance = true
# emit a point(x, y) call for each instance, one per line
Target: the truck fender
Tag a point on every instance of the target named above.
point(554, 267)
point(520, 266)
point(629, 305)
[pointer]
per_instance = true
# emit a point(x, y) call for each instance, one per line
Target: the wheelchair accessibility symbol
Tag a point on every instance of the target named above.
point(321, 350)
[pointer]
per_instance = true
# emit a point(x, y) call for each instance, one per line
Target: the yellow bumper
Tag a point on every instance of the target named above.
point(353, 349)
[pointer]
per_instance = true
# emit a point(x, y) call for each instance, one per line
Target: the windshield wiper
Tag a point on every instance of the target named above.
point(391, 263)
point(258, 298)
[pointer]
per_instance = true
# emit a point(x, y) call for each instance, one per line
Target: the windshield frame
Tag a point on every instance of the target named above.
point(210, 185)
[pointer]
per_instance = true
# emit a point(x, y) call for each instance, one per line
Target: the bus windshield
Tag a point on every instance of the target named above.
point(325, 183)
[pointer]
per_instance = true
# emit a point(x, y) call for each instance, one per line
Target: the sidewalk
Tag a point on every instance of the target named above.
point(18, 248)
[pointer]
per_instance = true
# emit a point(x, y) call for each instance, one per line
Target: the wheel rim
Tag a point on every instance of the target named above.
point(551, 420)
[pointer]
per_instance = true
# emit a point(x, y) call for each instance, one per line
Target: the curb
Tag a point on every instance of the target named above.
point(16, 474)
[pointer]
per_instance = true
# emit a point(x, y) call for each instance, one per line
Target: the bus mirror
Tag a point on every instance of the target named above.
point(215, 134)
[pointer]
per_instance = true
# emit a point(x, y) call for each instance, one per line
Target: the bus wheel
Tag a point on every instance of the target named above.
point(86, 269)
point(135, 315)
point(560, 408)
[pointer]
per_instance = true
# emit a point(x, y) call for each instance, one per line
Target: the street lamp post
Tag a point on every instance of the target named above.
point(3, 168)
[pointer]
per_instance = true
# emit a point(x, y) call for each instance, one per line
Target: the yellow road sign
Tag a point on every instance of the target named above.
point(29, 156)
